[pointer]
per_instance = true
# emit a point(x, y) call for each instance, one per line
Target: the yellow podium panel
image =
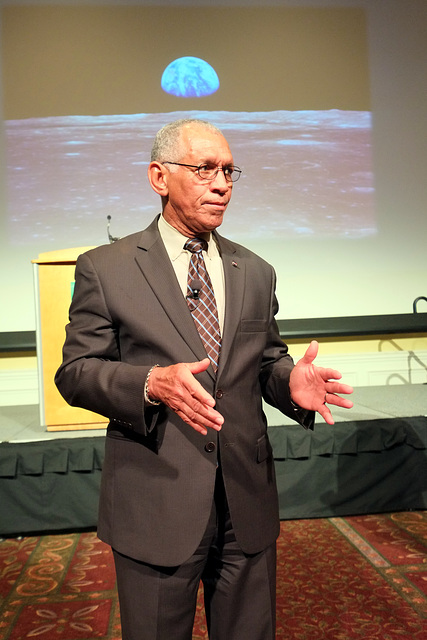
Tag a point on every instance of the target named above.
point(54, 281)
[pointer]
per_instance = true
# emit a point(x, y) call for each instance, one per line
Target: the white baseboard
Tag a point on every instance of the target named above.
point(20, 386)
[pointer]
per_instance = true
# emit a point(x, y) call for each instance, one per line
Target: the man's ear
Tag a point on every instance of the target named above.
point(157, 176)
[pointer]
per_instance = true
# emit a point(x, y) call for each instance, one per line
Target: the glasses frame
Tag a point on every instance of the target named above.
point(229, 178)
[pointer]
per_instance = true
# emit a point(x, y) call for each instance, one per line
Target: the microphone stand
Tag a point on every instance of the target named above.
point(110, 237)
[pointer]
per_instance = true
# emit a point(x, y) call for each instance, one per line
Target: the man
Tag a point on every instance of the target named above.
point(188, 489)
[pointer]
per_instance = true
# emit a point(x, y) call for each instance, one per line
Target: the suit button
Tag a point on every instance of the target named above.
point(219, 393)
point(210, 447)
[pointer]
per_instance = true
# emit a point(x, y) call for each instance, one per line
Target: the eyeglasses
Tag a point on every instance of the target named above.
point(210, 171)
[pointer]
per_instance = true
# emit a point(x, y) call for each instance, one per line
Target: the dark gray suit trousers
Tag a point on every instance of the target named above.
point(159, 603)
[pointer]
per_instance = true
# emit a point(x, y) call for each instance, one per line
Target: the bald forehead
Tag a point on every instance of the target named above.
point(199, 140)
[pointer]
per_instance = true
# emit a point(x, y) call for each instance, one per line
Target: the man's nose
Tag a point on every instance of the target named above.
point(220, 182)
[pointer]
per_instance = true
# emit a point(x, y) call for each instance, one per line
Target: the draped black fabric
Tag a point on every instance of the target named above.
point(351, 468)
point(51, 456)
point(50, 485)
point(348, 437)
point(347, 469)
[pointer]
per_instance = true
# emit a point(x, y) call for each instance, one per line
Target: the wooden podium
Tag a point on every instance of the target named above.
point(54, 284)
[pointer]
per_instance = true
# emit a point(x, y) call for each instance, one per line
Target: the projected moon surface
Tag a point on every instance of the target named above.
point(189, 77)
point(305, 174)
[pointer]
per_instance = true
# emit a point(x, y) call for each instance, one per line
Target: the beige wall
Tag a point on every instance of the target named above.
point(378, 344)
point(399, 359)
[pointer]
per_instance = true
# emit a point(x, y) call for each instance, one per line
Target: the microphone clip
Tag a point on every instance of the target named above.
point(195, 286)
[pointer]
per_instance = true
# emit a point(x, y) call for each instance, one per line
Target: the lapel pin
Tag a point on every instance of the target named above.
point(234, 263)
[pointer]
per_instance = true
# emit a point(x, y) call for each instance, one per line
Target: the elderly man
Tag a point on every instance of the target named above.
point(172, 337)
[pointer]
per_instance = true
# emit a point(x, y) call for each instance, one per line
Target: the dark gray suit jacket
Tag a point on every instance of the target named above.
point(127, 314)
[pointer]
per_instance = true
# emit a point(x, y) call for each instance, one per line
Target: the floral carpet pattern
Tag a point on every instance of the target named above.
point(338, 579)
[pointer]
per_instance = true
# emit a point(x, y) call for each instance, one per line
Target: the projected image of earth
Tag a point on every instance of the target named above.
point(190, 77)
point(305, 173)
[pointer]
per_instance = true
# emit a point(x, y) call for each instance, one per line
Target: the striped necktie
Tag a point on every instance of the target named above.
point(202, 305)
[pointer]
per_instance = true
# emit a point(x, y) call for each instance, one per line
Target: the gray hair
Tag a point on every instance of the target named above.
point(168, 141)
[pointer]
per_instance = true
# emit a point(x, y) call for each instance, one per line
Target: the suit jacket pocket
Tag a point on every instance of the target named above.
point(264, 449)
point(251, 326)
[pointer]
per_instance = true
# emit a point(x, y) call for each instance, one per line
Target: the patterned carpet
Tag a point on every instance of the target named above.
point(338, 579)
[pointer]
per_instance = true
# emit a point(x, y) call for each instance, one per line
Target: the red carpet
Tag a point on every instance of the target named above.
point(338, 579)
point(361, 577)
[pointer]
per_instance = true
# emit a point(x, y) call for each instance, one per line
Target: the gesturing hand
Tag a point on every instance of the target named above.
point(314, 387)
point(177, 387)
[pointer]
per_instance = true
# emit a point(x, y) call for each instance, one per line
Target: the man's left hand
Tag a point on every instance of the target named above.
point(313, 388)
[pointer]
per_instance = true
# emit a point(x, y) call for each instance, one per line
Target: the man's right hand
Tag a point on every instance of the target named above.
point(177, 387)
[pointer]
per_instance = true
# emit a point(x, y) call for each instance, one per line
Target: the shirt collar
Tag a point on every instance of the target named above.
point(174, 240)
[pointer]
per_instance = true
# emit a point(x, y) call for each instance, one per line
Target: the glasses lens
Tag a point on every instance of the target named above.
point(234, 174)
point(209, 172)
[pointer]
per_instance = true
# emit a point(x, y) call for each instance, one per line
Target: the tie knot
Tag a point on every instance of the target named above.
point(196, 245)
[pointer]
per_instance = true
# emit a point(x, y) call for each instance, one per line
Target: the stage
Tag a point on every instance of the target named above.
point(374, 459)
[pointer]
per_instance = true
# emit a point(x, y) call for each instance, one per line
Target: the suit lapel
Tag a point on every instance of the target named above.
point(156, 266)
point(234, 276)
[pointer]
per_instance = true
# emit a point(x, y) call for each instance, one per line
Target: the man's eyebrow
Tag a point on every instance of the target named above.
point(230, 163)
